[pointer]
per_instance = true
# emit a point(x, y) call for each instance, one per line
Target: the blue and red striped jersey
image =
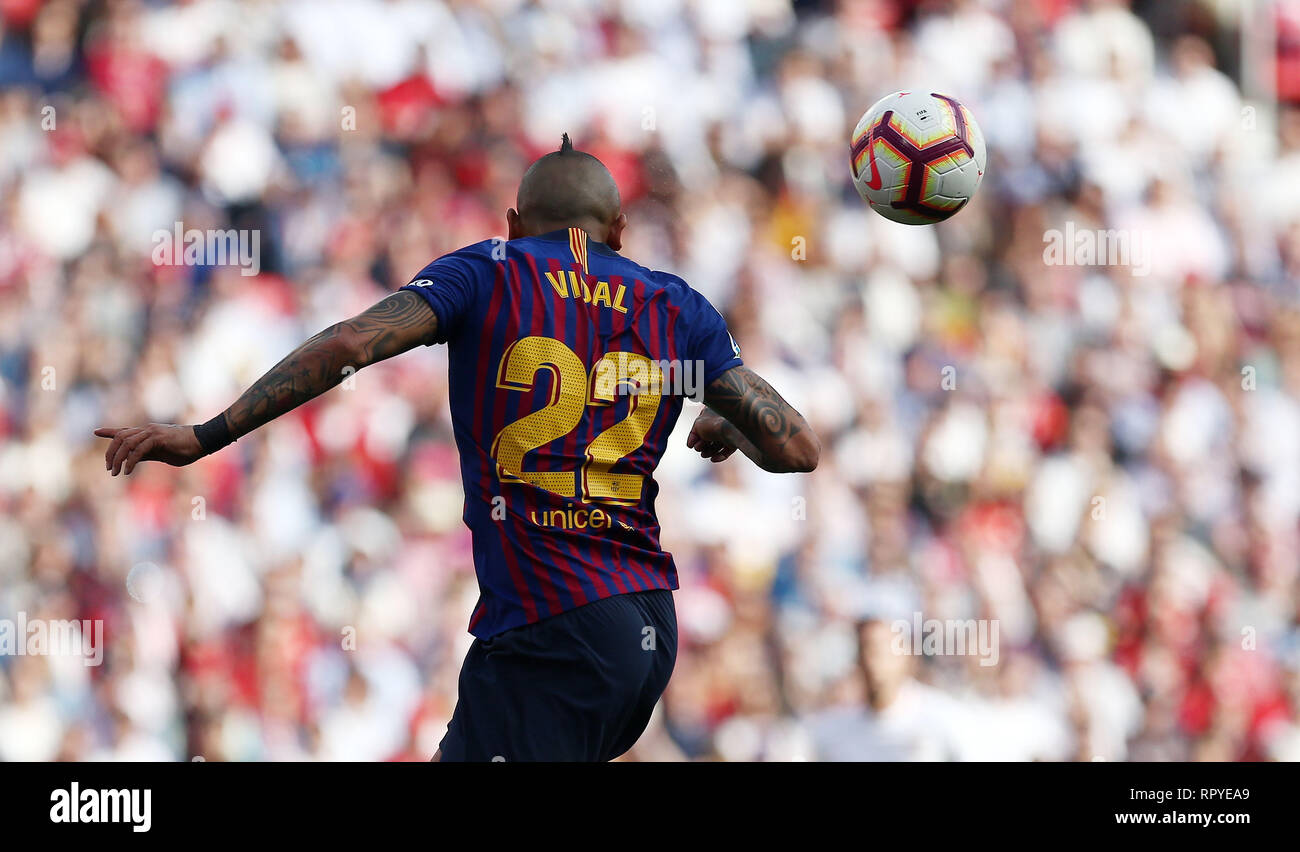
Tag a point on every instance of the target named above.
point(568, 369)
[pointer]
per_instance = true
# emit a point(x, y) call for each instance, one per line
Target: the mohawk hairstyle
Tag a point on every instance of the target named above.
point(565, 187)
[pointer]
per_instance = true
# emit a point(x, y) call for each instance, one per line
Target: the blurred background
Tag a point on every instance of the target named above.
point(1112, 472)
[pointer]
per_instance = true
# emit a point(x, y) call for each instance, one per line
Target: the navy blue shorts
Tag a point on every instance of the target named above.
point(579, 686)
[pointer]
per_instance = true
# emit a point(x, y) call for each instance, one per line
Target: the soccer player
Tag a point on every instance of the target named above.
point(568, 364)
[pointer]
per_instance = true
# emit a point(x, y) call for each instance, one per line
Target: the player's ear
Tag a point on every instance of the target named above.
point(514, 225)
point(615, 238)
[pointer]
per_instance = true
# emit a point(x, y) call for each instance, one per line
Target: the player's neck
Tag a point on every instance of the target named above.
point(598, 232)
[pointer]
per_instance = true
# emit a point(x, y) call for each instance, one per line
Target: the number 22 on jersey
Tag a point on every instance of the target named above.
point(572, 390)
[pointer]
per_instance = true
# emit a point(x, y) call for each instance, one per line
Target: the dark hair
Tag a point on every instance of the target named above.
point(565, 187)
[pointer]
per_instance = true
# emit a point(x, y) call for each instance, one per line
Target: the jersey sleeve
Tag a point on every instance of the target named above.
point(450, 285)
point(707, 338)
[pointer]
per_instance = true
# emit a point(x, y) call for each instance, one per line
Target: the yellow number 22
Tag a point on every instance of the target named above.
point(571, 393)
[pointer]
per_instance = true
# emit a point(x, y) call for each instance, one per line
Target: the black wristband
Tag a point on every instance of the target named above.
point(214, 434)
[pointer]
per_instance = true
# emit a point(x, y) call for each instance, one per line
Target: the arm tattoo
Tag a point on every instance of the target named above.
point(394, 325)
point(762, 418)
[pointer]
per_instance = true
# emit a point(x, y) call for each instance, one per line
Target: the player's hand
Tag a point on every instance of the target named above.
point(709, 437)
point(164, 442)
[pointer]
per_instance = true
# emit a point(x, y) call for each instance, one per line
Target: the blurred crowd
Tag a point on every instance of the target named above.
point(1105, 461)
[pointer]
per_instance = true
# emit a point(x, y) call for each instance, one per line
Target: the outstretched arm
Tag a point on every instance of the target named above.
point(745, 413)
point(397, 323)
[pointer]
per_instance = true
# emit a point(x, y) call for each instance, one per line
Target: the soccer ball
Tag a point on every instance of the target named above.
point(917, 157)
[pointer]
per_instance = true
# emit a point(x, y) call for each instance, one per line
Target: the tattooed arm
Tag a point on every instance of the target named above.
point(394, 325)
point(397, 323)
point(745, 413)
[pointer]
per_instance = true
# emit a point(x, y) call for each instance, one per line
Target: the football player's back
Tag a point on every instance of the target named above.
point(568, 367)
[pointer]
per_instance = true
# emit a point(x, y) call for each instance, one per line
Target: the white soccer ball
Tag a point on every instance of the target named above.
point(917, 157)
